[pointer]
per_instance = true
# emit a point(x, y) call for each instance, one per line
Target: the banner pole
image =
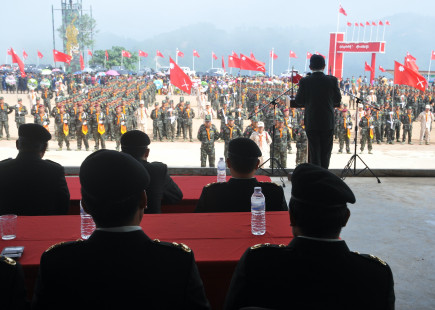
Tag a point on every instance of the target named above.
point(335, 42)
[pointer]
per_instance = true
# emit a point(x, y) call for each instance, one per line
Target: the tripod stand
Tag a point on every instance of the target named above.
point(348, 170)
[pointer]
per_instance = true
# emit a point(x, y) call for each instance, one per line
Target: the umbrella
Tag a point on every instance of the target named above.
point(259, 74)
point(158, 83)
point(56, 70)
point(77, 72)
point(112, 72)
point(46, 72)
point(123, 72)
point(88, 70)
point(101, 74)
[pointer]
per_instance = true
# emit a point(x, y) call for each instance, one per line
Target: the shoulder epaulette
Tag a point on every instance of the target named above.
point(61, 243)
point(181, 246)
point(210, 184)
point(8, 260)
point(372, 258)
point(267, 245)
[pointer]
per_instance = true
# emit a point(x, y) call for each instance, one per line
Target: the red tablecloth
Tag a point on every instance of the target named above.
point(217, 239)
point(191, 187)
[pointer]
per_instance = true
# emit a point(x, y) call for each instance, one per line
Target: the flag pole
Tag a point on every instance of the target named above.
point(138, 69)
point(37, 60)
point(306, 60)
point(428, 74)
point(288, 68)
point(371, 31)
point(273, 54)
point(335, 41)
point(353, 32)
point(364, 35)
point(193, 62)
point(212, 60)
point(122, 57)
point(359, 29)
point(377, 31)
point(176, 56)
point(383, 35)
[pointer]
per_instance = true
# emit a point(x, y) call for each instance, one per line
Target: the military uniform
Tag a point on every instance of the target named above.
point(4, 120)
point(301, 145)
point(82, 130)
point(47, 95)
point(156, 116)
point(390, 125)
point(20, 114)
point(397, 124)
point(12, 288)
point(280, 145)
point(239, 116)
point(63, 129)
point(377, 123)
point(207, 136)
point(120, 127)
point(223, 114)
point(229, 133)
point(248, 131)
point(42, 119)
point(367, 128)
point(98, 129)
point(344, 132)
point(187, 115)
point(407, 119)
point(180, 109)
point(170, 123)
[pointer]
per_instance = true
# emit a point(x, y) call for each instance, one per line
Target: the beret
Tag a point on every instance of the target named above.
point(34, 132)
point(317, 61)
point(243, 147)
point(231, 118)
point(112, 176)
point(207, 118)
point(319, 188)
point(135, 138)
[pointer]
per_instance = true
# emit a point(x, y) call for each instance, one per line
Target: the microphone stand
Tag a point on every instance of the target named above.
point(348, 170)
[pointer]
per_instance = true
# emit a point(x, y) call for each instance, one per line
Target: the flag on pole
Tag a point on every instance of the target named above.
point(247, 63)
point(142, 54)
point(317, 53)
point(25, 54)
point(349, 24)
point(292, 54)
point(89, 52)
point(361, 24)
point(356, 24)
point(367, 24)
point(179, 78)
point(380, 23)
point(432, 56)
point(387, 23)
point(214, 56)
point(61, 57)
point(406, 76)
point(342, 11)
point(40, 55)
point(309, 55)
point(195, 53)
point(223, 63)
point(272, 54)
point(234, 61)
point(17, 60)
point(125, 54)
point(252, 55)
point(9, 52)
point(374, 24)
point(158, 54)
point(381, 69)
point(82, 62)
point(367, 67)
point(410, 62)
point(180, 53)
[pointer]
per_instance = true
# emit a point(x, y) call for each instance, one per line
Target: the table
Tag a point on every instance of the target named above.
point(191, 187)
point(217, 239)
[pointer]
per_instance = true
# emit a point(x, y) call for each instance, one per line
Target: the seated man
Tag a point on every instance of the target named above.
point(119, 266)
point(235, 195)
point(28, 184)
point(12, 289)
point(161, 187)
point(316, 270)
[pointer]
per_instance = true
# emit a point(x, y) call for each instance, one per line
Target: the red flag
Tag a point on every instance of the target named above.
point(410, 62)
point(349, 24)
point(292, 54)
point(296, 78)
point(17, 60)
point(380, 23)
point(125, 54)
point(252, 55)
point(410, 57)
point(374, 24)
point(406, 76)
point(195, 53)
point(214, 56)
point(61, 57)
point(234, 61)
point(90, 53)
point(223, 63)
point(247, 63)
point(82, 63)
point(356, 24)
point(9, 51)
point(367, 24)
point(387, 23)
point(432, 56)
point(367, 67)
point(342, 11)
point(179, 78)
point(180, 53)
point(309, 55)
point(40, 54)
point(158, 54)
point(272, 54)
point(142, 54)
point(320, 54)
point(382, 69)
point(107, 55)
point(361, 24)
point(25, 54)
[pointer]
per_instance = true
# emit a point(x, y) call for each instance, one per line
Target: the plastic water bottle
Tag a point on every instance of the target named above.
point(87, 225)
point(221, 171)
point(258, 212)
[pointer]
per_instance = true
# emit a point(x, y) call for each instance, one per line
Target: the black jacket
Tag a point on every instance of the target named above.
point(310, 274)
point(235, 196)
point(119, 270)
point(12, 290)
point(32, 186)
point(318, 94)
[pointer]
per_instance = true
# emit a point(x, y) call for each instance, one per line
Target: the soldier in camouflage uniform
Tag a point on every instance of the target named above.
point(20, 113)
point(207, 134)
point(281, 142)
point(82, 128)
point(239, 116)
point(367, 127)
point(187, 115)
point(377, 117)
point(251, 128)
point(344, 123)
point(230, 132)
point(223, 114)
point(47, 95)
point(4, 111)
point(119, 125)
point(301, 144)
point(109, 114)
point(180, 109)
point(390, 121)
point(398, 124)
point(288, 122)
point(407, 119)
point(62, 121)
point(170, 121)
point(41, 118)
point(156, 116)
point(98, 129)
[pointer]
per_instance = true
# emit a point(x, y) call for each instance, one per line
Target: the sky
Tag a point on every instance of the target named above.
point(26, 21)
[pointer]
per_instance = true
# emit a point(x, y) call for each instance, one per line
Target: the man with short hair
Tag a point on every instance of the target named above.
point(208, 134)
point(316, 270)
point(263, 140)
point(119, 266)
point(28, 184)
point(161, 187)
point(426, 118)
point(20, 113)
point(235, 195)
point(4, 118)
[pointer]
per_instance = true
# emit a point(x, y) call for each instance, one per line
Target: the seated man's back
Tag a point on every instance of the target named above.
point(30, 185)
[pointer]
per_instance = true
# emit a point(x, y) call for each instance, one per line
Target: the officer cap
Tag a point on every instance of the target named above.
point(207, 118)
point(20, 100)
point(427, 106)
point(142, 102)
point(156, 104)
point(317, 62)
point(112, 176)
point(34, 132)
point(38, 98)
point(231, 118)
point(207, 103)
point(254, 119)
point(181, 99)
point(135, 138)
point(285, 110)
point(187, 102)
point(319, 188)
point(243, 147)
point(260, 124)
point(280, 119)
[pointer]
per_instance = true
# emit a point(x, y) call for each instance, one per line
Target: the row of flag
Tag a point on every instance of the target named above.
point(343, 11)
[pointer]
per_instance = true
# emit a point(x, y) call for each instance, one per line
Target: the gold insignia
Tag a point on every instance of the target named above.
point(209, 184)
point(175, 243)
point(156, 240)
point(282, 245)
point(54, 245)
point(257, 246)
point(185, 248)
point(378, 259)
point(356, 252)
point(9, 261)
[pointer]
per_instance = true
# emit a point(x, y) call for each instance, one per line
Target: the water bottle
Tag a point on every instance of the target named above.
point(87, 225)
point(221, 171)
point(258, 212)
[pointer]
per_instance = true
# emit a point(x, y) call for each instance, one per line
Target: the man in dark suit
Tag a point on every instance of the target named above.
point(319, 95)
point(316, 270)
point(12, 289)
point(235, 195)
point(119, 266)
point(28, 184)
point(161, 188)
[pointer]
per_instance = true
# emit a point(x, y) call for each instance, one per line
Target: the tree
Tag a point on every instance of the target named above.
point(115, 58)
point(86, 26)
